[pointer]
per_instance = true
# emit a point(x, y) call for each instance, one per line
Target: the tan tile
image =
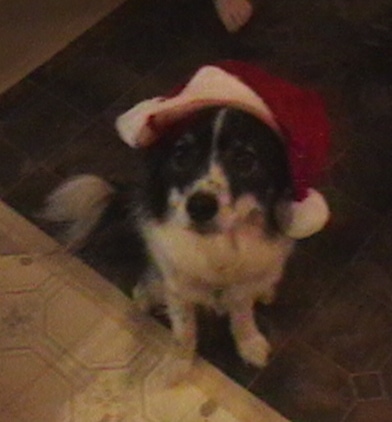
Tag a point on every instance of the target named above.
point(18, 369)
point(113, 395)
point(54, 26)
point(21, 272)
point(8, 246)
point(169, 404)
point(9, 416)
point(70, 316)
point(21, 319)
point(211, 412)
point(104, 361)
point(109, 345)
point(24, 234)
point(49, 399)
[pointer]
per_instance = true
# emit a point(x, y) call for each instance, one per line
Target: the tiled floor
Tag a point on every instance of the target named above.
point(332, 323)
point(57, 317)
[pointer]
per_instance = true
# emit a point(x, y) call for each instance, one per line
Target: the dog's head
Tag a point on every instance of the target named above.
point(222, 168)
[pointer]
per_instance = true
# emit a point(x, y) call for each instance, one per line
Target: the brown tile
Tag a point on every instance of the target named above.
point(387, 377)
point(145, 42)
point(351, 328)
point(350, 227)
point(305, 282)
point(370, 277)
point(126, 14)
point(43, 126)
point(50, 70)
point(368, 386)
point(176, 70)
point(97, 150)
point(377, 253)
point(27, 197)
point(149, 87)
point(378, 410)
point(364, 174)
point(15, 164)
point(217, 346)
point(304, 386)
point(93, 82)
point(21, 94)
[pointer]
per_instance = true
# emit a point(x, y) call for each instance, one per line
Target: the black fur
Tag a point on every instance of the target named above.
point(252, 155)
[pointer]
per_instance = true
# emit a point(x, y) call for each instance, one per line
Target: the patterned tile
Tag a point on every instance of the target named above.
point(305, 282)
point(47, 400)
point(375, 262)
point(85, 318)
point(94, 82)
point(217, 346)
point(29, 194)
point(15, 165)
point(352, 329)
point(350, 227)
point(97, 150)
point(21, 319)
point(337, 290)
point(23, 93)
point(19, 369)
point(387, 377)
point(304, 386)
point(42, 126)
point(364, 174)
point(379, 410)
point(78, 352)
point(21, 272)
point(368, 386)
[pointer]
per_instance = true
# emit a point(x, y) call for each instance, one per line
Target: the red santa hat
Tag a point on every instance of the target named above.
point(297, 114)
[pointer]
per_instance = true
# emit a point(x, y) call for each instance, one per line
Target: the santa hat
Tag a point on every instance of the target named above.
point(297, 114)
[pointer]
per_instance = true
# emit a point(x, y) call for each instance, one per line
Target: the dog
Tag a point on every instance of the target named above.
point(208, 215)
point(228, 163)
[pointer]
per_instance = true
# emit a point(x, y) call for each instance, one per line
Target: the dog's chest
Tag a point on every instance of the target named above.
point(217, 259)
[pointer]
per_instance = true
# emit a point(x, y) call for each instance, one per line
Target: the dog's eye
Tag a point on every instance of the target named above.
point(245, 162)
point(184, 153)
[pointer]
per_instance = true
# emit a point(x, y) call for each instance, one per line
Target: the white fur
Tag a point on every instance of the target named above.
point(81, 202)
point(228, 270)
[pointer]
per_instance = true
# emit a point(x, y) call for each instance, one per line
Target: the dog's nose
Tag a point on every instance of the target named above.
point(202, 207)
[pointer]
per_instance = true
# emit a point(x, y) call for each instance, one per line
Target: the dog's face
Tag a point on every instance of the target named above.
point(223, 168)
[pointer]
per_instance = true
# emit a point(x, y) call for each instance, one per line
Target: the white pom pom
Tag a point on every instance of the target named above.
point(299, 220)
point(131, 124)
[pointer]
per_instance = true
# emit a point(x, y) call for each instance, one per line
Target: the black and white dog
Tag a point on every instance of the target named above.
point(210, 216)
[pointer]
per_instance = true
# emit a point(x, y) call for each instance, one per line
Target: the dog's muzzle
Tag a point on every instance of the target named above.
point(202, 207)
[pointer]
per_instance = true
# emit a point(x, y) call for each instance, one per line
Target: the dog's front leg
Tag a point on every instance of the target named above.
point(183, 324)
point(251, 344)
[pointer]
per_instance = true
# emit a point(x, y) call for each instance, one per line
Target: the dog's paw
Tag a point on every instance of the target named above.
point(255, 350)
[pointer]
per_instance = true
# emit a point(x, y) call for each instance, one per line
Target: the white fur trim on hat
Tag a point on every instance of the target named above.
point(299, 220)
point(209, 86)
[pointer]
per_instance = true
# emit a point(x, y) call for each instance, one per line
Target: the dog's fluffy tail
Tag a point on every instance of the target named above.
point(79, 202)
